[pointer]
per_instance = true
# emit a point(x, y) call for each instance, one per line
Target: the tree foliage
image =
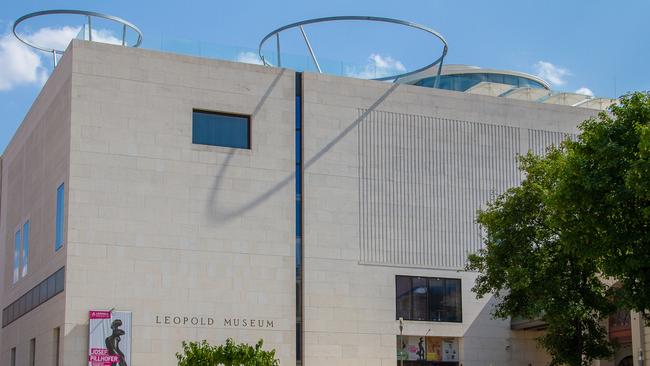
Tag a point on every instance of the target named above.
point(228, 354)
point(578, 222)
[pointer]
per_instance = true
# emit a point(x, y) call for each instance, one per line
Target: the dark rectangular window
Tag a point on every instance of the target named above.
point(428, 299)
point(47, 289)
point(13, 356)
point(221, 129)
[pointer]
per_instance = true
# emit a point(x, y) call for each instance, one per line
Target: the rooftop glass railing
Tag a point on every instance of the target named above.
point(296, 62)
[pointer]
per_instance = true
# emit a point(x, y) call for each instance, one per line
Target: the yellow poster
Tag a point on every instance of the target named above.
point(434, 349)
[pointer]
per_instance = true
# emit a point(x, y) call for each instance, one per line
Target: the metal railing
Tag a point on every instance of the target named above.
point(89, 16)
point(300, 24)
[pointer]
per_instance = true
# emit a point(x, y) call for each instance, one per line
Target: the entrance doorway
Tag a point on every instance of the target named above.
point(620, 330)
point(627, 361)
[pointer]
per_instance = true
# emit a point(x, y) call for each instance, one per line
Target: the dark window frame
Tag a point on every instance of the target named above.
point(39, 294)
point(399, 312)
point(249, 123)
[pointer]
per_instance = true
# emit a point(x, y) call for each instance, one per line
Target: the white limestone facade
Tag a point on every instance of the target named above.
point(393, 177)
point(166, 229)
point(199, 242)
point(34, 164)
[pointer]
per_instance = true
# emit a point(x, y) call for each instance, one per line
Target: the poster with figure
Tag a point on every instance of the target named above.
point(450, 349)
point(412, 347)
point(109, 338)
point(434, 349)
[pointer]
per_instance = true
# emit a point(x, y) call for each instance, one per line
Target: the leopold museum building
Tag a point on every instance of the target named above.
point(150, 198)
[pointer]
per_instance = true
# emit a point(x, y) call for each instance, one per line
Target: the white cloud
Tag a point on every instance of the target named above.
point(19, 65)
point(378, 66)
point(22, 65)
point(249, 58)
point(104, 36)
point(57, 38)
point(585, 91)
point(553, 74)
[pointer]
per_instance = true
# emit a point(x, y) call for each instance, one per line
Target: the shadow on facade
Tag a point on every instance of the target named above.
point(222, 216)
point(493, 340)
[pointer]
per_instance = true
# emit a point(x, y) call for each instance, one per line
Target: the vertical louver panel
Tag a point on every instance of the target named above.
point(540, 140)
point(422, 180)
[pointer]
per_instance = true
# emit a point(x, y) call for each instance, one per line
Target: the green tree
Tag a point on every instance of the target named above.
point(228, 354)
point(578, 221)
point(604, 197)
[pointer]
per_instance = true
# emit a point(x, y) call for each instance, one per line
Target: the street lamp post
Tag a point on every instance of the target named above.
point(401, 340)
point(640, 358)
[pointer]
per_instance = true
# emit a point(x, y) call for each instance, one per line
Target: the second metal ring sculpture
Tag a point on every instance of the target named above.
point(300, 24)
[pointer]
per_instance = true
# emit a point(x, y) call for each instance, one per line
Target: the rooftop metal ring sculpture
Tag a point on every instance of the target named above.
point(89, 15)
point(300, 24)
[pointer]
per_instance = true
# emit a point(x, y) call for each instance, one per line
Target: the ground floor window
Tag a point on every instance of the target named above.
point(57, 345)
point(428, 299)
point(32, 352)
point(430, 351)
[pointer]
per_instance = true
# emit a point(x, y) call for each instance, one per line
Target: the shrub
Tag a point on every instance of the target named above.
point(228, 354)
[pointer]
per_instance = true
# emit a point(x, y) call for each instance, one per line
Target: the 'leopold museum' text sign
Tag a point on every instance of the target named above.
point(207, 321)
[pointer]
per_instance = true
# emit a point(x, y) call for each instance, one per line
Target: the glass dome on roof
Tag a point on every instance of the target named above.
point(462, 82)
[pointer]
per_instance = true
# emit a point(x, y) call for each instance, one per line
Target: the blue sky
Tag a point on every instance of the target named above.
point(603, 46)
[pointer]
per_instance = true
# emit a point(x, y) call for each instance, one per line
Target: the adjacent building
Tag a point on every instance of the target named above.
point(209, 199)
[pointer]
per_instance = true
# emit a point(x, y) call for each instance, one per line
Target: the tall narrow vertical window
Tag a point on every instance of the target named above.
point(13, 356)
point(299, 271)
point(25, 265)
point(57, 345)
point(17, 256)
point(60, 209)
point(32, 352)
